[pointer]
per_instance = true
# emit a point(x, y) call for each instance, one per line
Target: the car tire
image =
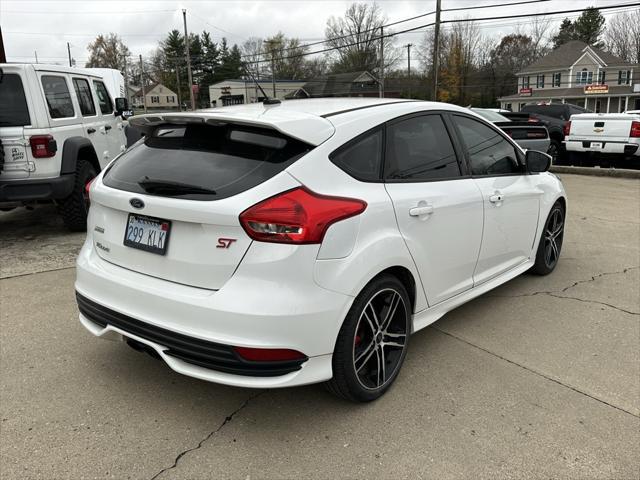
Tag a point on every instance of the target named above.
point(550, 244)
point(375, 333)
point(75, 207)
point(555, 150)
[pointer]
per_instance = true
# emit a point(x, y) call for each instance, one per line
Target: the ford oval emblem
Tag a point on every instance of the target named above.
point(136, 203)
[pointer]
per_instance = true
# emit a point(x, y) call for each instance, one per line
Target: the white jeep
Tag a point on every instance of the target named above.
point(59, 127)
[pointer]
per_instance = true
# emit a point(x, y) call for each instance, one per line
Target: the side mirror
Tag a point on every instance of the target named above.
point(122, 108)
point(122, 104)
point(537, 161)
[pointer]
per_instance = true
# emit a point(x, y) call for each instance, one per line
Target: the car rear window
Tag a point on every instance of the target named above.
point(202, 161)
point(13, 104)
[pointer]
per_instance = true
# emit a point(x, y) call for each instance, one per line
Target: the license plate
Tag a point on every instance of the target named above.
point(147, 233)
point(596, 145)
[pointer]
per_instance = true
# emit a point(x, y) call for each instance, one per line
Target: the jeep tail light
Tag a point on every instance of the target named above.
point(566, 129)
point(297, 216)
point(635, 129)
point(87, 187)
point(43, 146)
point(269, 354)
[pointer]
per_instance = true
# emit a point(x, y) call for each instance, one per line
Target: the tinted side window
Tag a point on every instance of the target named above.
point(419, 148)
point(13, 103)
point(83, 92)
point(58, 97)
point(104, 100)
point(361, 159)
point(489, 152)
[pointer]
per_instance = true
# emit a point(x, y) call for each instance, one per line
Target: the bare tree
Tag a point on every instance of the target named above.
point(107, 51)
point(622, 36)
point(252, 53)
point(356, 38)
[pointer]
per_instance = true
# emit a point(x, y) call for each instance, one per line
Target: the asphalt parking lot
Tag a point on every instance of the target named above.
point(539, 378)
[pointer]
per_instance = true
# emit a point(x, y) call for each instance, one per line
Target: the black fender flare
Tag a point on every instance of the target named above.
point(70, 152)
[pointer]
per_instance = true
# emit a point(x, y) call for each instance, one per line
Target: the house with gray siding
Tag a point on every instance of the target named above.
point(580, 74)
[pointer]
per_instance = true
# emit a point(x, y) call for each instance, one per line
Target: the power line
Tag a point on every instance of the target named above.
point(495, 5)
point(393, 34)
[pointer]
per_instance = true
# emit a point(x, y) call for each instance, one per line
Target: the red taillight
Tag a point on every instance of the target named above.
point(87, 187)
point(635, 130)
point(297, 216)
point(566, 129)
point(43, 146)
point(268, 354)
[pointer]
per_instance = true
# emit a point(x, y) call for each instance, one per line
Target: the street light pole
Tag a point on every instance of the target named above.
point(186, 44)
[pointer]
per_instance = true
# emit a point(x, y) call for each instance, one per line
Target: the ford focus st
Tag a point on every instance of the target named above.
point(287, 244)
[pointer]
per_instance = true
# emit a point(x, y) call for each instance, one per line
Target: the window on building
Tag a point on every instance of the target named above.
point(539, 81)
point(601, 77)
point(557, 78)
point(171, 99)
point(104, 100)
point(598, 105)
point(155, 99)
point(584, 77)
point(419, 149)
point(624, 77)
point(58, 97)
point(525, 82)
point(83, 92)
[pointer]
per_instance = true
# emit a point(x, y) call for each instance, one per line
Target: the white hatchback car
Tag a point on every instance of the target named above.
point(279, 245)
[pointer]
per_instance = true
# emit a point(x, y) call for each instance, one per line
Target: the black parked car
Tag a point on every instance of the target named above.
point(554, 116)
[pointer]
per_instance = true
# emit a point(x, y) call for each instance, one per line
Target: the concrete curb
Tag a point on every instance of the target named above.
point(596, 172)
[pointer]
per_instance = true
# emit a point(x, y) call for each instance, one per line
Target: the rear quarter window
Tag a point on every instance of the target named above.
point(203, 162)
point(13, 103)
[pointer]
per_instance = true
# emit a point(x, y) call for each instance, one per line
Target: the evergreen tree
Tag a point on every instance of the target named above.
point(566, 33)
point(589, 27)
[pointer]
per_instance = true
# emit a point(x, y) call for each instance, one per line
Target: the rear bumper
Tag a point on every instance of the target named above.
point(608, 147)
point(246, 312)
point(36, 189)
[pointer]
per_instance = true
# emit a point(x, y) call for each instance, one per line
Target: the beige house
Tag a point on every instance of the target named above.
point(158, 97)
point(579, 74)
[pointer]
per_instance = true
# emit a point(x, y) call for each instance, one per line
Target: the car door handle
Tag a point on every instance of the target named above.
point(107, 127)
point(91, 130)
point(496, 198)
point(421, 210)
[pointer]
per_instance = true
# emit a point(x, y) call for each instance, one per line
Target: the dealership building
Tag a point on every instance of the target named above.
point(579, 74)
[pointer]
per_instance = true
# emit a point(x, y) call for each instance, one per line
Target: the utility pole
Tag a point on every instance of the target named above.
point(36, 54)
point(144, 94)
point(69, 52)
point(126, 80)
point(178, 87)
point(273, 73)
point(409, 45)
point(186, 45)
point(381, 83)
point(436, 51)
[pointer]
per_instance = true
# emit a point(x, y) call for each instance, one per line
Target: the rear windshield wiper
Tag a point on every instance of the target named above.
point(169, 187)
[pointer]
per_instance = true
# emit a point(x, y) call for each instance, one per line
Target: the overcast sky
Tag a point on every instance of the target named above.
point(46, 26)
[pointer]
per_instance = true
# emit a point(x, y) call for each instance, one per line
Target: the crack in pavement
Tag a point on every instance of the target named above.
point(556, 293)
point(540, 374)
point(17, 275)
point(227, 419)
point(594, 301)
